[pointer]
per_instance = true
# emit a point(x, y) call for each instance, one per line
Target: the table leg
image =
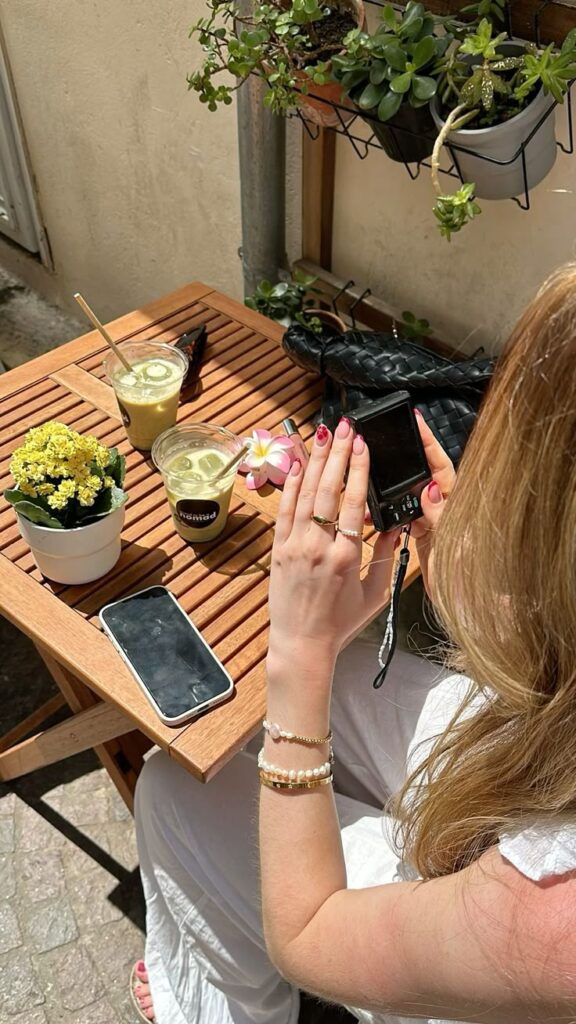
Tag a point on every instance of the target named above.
point(122, 757)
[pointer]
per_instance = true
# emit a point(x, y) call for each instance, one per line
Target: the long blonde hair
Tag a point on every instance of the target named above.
point(505, 591)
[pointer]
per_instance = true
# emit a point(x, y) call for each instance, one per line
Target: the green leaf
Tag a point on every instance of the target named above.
point(371, 96)
point(423, 88)
point(401, 83)
point(36, 514)
point(395, 57)
point(389, 17)
point(353, 78)
point(106, 502)
point(424, 51)
point(116, 467)
point(389, 105)
point(378, 72)
point(13, 495)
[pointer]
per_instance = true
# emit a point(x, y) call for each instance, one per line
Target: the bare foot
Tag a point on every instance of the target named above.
point(142, 991)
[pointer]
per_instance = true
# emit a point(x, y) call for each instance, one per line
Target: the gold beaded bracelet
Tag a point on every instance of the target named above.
point(308, 784)
point(276, 733)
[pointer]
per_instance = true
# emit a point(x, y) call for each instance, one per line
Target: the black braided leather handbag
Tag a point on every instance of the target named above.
point(359, 365)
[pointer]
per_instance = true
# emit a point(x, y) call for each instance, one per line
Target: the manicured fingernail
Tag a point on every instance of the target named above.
point(434, 493)
point(358, 444)
point(418, 413)
point(343, 428)
point(295, 467)
point(322, 434)
point(140, 966)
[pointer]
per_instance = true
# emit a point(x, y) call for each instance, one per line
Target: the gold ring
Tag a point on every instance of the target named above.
point(322, 521)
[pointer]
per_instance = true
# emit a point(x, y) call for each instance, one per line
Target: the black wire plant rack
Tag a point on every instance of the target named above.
point(356, 127)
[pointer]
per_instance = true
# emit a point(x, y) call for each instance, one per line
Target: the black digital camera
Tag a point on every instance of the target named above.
point(398, 466)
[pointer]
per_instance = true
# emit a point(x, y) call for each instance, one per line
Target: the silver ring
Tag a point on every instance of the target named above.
point(349, 533)
point(322, 521)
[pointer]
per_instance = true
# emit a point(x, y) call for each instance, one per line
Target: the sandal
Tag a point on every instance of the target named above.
point(135, 980)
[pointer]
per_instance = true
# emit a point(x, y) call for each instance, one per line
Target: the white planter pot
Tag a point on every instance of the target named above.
point(502, 142)
point(75, 556)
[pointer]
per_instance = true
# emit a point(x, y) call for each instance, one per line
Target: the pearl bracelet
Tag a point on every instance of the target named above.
point(276, 733)
point(295, 774)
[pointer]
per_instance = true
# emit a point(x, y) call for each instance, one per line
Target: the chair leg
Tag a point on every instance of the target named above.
point(32, 721)
point(96, 725)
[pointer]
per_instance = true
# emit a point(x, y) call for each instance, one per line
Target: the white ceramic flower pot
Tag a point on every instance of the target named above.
point(502, 142)
point(80, 555)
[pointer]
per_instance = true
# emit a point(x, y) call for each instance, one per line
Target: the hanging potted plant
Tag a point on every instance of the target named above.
point(391, 76)
point(289, 45)
point(69, 502)
point(493, 99)
point(287, 303)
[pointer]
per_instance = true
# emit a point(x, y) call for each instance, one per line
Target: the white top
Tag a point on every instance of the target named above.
point(541, 849)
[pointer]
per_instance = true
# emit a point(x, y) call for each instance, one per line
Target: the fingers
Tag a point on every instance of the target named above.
point(441, 467)
point(432, 502)
point(288, 502)
point(325, 475)
point(312, 476)
point(352, 512)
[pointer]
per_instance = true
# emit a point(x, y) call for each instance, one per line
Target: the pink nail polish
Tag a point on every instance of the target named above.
point(434, 493)
point(418, 413)
point(295, 467)
point(140, 966)
point(322, 434)
point(343, 428)
point(358, 444)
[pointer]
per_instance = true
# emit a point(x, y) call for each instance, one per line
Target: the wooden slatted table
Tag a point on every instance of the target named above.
point(246, 381)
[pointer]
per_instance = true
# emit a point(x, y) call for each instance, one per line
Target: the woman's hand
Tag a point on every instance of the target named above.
point(432, 499)
point(317, 599)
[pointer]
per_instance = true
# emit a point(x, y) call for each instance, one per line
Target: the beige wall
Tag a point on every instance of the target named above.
point(138, 182)
point(471, 289)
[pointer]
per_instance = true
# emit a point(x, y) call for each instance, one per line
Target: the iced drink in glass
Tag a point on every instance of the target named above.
point(190, 457)
point(147, 394)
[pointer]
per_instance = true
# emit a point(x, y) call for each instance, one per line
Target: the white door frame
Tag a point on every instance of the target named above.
point(20, 218)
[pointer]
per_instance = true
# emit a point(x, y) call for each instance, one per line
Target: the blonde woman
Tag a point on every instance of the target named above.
point(475, 919)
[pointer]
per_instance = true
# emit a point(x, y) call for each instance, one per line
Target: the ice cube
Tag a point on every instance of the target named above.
point(128, 380)
point(181, 464)
point(209, 465)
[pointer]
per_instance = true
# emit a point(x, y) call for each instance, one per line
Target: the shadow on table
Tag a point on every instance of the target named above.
point(231, 554)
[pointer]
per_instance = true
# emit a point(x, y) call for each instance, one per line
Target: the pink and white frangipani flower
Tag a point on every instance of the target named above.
point(269, 458)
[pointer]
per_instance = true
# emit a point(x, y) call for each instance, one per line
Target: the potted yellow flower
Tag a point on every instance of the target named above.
point(69, 502)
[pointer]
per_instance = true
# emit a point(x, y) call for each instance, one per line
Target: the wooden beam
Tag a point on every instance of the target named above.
point(318, 175)
point(87, 729)
point(30, 723)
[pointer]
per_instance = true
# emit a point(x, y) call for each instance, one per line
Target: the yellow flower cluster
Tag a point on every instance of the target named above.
point(57, 463)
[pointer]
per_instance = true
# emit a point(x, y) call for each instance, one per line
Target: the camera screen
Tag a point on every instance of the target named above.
point(175, 665)
point(394, 446)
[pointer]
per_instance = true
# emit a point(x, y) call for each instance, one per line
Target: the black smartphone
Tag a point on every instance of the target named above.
point(398, 466)
point(178, 672)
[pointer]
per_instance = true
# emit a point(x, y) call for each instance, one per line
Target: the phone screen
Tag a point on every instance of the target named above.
point(172, 660)
point(395, 448)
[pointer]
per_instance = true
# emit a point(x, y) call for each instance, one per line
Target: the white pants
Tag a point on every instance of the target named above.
point(205, 951)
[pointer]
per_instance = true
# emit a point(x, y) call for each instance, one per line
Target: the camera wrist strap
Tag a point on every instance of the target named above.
point(388, 646)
